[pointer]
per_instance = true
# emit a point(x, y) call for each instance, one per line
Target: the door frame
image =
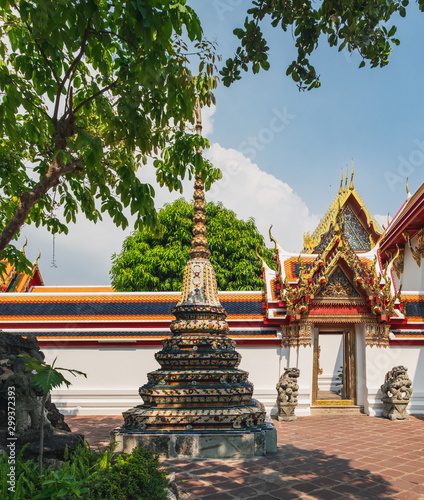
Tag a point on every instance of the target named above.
point(349, 365)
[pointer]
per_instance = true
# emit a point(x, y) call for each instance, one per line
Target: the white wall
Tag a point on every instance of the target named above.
point(115, 374)
point(113, 378)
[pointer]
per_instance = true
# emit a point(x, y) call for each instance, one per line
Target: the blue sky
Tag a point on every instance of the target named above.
point(281, 150)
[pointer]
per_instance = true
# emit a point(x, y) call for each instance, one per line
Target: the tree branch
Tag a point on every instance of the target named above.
point(129, 42)
point(71, 68)
point(115, 83)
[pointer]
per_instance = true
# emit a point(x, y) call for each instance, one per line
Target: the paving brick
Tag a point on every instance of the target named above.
point(341, 456)
point(285, 494)
point(408, 495)
point(414, 478)
point(219, 496)
point(306, 487)
point(327, 494)
point(201, 490)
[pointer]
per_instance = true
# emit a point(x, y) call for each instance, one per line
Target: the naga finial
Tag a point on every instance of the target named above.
point(272, 238)
point(341, 184)
point(36, 260)
point(258, 255)
point(408, 194)
point(351, 178)
point(347, 175)
point(24, 245)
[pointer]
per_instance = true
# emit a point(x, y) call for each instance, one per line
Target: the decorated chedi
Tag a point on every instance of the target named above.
point(198, 404)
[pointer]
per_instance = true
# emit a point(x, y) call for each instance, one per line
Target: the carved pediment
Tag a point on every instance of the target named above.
point(338, 286)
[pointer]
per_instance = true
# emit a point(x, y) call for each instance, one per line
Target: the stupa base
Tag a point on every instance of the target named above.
point(207, 444)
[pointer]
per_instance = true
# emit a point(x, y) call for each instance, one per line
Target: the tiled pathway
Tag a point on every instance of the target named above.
point(320, 457)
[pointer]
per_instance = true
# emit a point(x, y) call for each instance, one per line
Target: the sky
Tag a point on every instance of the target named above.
point(280, 150)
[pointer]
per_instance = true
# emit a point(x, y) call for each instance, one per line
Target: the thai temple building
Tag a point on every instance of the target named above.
point(12, 280)
point(344, 310)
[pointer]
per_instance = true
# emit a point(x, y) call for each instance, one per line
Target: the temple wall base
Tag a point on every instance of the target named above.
point(198, 445)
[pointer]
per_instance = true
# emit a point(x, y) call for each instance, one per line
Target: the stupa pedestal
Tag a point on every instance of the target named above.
point(198, 404)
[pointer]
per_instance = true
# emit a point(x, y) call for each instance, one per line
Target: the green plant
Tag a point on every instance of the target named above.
point(27, 482)
point(47, 377)
point(132, 477)
point(70, 481)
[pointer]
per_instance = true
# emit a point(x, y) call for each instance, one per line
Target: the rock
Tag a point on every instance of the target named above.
point(55, 444)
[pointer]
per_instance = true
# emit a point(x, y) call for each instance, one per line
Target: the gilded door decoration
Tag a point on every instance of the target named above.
point(377, 334)
point(339, 286)
point(320, 370)
point(296, 335)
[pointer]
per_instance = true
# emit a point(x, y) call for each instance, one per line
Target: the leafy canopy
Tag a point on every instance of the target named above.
point(89, 90)
point(357, 25)
point(147, 263)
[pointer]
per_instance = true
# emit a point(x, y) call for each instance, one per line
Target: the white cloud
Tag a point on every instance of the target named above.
point(207, 120)
point(251, 192)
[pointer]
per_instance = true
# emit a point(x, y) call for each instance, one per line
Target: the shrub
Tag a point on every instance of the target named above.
point(86, 475)
point(132, 477)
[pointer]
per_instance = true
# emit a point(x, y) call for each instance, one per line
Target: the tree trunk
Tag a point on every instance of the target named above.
point(41, 445)
point(27, 201)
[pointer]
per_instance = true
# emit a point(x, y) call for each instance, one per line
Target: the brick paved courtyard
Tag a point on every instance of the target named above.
point(320, 457)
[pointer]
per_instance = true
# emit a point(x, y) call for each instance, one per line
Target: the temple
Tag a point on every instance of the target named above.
point(13, 281)
point(344, 311)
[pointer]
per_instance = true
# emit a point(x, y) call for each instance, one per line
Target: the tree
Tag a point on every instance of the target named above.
point(89, 90)
point(147, 263)
point(357, 25)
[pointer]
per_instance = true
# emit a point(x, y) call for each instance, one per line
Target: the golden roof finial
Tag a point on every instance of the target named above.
point(24, 245)
point(258, 256)
point(351, 178)
point(408, 194)
point(341, 183)
point(347, 175)
point(36, 260)
point(272, 238)
point(388, 219)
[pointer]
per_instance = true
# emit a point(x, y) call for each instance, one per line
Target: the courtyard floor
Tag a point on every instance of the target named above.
point(319, 457)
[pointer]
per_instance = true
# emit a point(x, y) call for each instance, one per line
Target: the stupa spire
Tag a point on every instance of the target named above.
point(198, 387)
point(199, 244)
